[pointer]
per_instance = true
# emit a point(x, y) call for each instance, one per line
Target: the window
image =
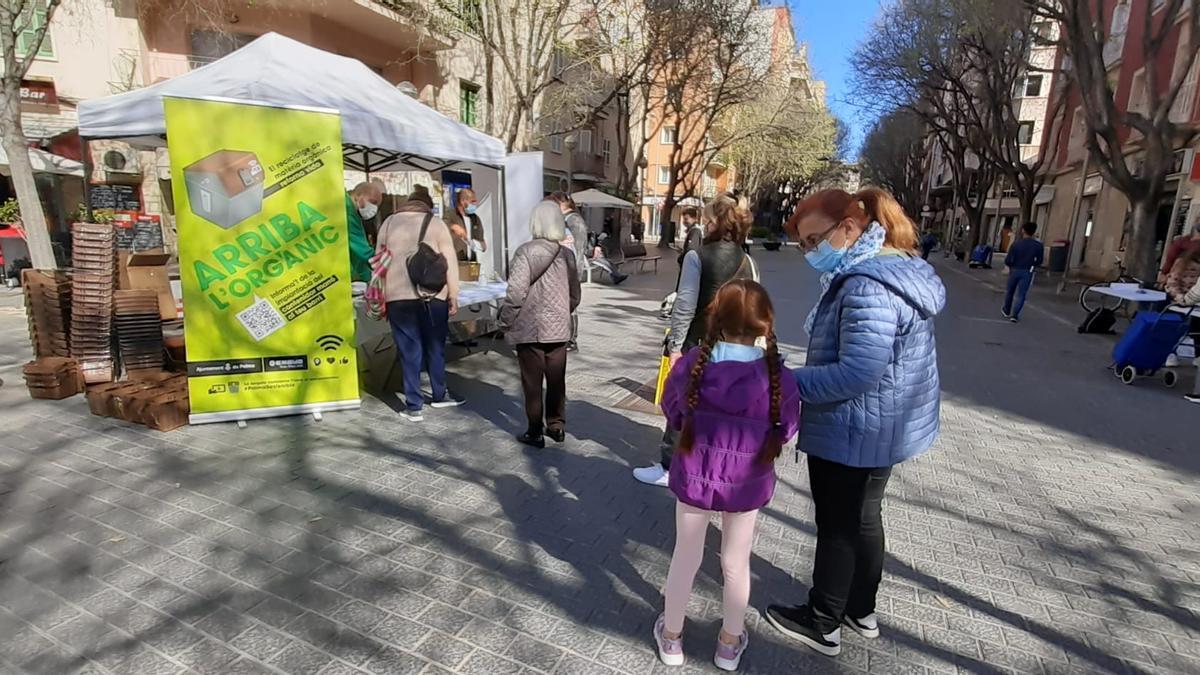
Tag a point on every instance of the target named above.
point(585, 142)
point(1137, 93)
point(1076, 140)
point(1042, 31)
point(210, 45)
point(1185, 103)
point(468, 103)
point(560, 61)
point(472, 16)
point(664, 175)
point(667, 137)
point(556, 143)
point(607, 151)
point(25, 38)
point(1033, 85)
point(1025, 133)
point(1115, 44)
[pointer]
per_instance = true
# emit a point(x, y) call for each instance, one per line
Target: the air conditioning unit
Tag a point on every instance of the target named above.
point(123, 160)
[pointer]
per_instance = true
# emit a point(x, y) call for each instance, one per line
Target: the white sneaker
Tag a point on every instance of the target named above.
point(867, 626)
point(653, 475)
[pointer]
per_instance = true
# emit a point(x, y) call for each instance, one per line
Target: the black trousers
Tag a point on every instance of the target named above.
point(849, 559)
point(544, 363)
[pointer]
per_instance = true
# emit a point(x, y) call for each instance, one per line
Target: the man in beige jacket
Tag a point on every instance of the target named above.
point(420, 322)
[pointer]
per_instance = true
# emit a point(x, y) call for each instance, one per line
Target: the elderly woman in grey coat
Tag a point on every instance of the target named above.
point(543, 290)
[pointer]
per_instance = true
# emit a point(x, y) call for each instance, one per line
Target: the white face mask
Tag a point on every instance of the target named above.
point(368, 210)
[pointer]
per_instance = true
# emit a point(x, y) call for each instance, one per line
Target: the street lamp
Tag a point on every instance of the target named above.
point(569, 142)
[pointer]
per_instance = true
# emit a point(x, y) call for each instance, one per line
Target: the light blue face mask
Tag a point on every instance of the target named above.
point(470, 209)
point(825, 258)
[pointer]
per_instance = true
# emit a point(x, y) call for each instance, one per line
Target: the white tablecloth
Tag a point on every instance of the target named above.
point(1130, 294)
point(478, 292)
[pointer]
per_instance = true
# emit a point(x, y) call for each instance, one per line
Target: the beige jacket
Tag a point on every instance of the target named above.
point(399, 232)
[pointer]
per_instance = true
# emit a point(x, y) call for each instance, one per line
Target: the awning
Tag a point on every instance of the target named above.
point(383, 128)
point(598, 199)
point(44, 162)
point(1044, 195)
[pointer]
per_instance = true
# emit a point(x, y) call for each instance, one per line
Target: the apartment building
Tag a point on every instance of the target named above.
point(787, 60)
point(1085, 210)
point(1036, 119)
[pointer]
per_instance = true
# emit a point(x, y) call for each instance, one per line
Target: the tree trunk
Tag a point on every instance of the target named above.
point(514, 127)
point(1027, 198)
point(37, 235)
point(1140, 259)
point(489, 83)
point(668, 225)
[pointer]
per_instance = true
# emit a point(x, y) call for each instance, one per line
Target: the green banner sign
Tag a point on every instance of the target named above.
point(260, 213)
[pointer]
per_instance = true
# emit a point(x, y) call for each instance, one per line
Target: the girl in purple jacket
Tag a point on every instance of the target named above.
point(735, 406)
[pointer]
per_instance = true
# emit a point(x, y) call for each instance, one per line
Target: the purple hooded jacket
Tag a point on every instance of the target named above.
point(732, 419)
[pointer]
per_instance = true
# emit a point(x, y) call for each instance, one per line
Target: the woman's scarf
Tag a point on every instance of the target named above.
point(867, 247)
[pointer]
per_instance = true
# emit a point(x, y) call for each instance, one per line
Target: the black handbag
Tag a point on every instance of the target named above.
point(427, 269)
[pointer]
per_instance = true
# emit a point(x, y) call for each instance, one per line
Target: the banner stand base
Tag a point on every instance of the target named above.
point(242, 416)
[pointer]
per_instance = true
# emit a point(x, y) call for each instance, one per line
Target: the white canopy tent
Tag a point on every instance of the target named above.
point(383, 129)
point(596, 199)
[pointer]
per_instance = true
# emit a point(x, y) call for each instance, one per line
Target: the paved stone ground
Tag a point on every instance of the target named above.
point(1053, 529)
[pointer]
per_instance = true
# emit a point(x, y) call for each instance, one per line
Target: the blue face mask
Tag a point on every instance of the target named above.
point(470, 209)
point(825, 258)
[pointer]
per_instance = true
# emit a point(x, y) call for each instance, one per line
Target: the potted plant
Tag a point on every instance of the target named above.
point(10, 218)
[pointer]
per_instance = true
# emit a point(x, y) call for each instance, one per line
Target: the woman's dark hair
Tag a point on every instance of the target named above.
point(741, 310)
point(729, 216)
point(563, 198)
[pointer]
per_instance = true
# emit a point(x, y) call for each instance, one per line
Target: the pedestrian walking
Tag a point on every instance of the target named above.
point(543, 291)
point(869, 397)
point(576, 241)
point(734, 406)
point(720, 259)
point(1022, 261)
point(420, 317)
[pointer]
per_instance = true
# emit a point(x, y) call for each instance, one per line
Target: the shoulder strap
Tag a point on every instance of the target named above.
point(533, 281)
point(424, 227)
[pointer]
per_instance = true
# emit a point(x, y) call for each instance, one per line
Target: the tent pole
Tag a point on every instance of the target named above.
point(86, 155)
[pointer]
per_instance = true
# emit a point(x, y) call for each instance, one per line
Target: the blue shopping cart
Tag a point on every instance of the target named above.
point(1144, 348)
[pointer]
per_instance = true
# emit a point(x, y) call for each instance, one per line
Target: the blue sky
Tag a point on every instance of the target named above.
point(832, 30)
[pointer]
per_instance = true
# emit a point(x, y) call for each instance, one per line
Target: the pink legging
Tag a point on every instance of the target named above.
point(737, 534)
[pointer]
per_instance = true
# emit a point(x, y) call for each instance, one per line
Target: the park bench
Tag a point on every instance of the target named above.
point(635, 254)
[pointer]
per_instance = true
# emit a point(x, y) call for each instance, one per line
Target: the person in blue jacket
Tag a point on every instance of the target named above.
point(1023, 259)
point(869, 396)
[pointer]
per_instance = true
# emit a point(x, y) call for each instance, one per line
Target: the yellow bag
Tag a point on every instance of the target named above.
point(664, 369)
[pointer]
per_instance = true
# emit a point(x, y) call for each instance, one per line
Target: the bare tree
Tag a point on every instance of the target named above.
point(893, 157)
point(711, 58)
point(17, 19)
point(1087, 37)
point(957, 64)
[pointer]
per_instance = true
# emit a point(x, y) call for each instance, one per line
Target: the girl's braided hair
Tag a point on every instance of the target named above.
point(741, 310)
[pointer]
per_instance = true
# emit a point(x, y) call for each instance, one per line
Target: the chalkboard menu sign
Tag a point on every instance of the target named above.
point(142, 233)
point(116, 197)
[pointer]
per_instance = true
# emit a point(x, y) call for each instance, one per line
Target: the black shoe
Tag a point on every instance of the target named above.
point(531, 439)
point(1013, 319)
point(797, 622)
point(557, 435)
point(620, 278)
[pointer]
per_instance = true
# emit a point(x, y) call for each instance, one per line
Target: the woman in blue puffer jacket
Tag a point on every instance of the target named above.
point(869, 396)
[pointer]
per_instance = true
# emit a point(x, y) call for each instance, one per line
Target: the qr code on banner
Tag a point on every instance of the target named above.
point(261, 319)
